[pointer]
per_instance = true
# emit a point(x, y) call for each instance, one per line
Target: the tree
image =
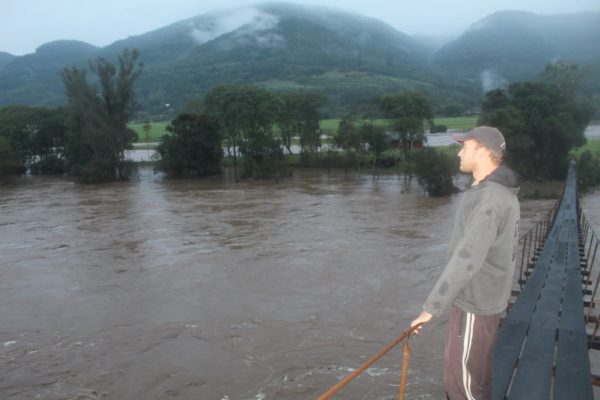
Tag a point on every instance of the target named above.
point(588, 170)
point(247, 115)
point(565, 77)
point(374, 136)
point(308, 117)
point(349, 138)
point(453, 110)
point(192, 148)
point(435, 171)
point(299, 116)
point(376, 139)
point(147, 128)
point(98, 133)
point(540, 125)
point(407, 112)
point(15, 126)
point(35, 136)
point(9, 160)
point(47, 141)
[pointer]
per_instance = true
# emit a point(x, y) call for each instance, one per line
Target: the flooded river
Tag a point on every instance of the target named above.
point(207, 289)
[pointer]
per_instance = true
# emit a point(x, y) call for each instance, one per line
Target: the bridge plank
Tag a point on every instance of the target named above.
point(513, 333)
point(572, 361)
point(546, 324)
point(533, 377)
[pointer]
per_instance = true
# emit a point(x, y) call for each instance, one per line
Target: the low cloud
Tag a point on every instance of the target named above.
point(247, 21)
point(490, 80)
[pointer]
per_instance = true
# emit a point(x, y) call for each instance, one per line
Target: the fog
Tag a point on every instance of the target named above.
point(27, 24)
point(221, 22)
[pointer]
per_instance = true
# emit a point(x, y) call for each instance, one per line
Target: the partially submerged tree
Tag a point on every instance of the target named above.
point(247, 115)
point(36, 136)
point(435, 171)
point(192, 148)
point(47, 142)
point(9, 160)
point(299, 117)
point(349, 138)
point(360, 137)
point(98, 134)
point(373, 135)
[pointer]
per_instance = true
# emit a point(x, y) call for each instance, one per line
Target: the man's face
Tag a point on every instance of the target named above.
point(469, 155)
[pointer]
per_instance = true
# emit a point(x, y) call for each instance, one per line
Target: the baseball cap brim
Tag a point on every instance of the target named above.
point(461, 138)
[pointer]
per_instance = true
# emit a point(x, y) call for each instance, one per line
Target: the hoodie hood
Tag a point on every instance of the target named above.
point(504, 176)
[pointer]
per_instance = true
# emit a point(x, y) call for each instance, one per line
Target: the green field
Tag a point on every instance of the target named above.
point(328, 126)
point(466, 123)
point(592, 145)
point(156, 131)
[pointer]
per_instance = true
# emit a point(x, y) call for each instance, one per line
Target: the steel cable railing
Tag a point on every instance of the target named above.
point(532, 242)
point(405, 339)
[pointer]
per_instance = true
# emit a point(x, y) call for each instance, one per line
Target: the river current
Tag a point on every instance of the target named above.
point(208, 289)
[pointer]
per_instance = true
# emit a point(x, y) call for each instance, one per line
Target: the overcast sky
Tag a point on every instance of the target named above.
point(27, 24)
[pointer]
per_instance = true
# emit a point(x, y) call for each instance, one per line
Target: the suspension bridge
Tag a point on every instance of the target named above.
point(543, 345)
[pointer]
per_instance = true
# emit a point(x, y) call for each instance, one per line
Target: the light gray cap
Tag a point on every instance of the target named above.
point(488, 136)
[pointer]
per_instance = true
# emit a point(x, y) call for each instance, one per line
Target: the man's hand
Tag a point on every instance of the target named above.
point(423, 318)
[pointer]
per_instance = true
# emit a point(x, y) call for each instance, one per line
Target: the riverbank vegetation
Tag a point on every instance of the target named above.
point(543, 121)
point(193, 147)
point(97, 134)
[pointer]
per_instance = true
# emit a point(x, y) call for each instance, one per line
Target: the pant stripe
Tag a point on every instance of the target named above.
point(467, 341)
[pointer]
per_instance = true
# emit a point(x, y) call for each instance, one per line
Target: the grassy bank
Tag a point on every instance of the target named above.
point(592, 145)
point(157, 129)
point(330, 126)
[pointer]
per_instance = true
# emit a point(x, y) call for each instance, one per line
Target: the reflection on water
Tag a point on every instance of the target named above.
point(161, 289)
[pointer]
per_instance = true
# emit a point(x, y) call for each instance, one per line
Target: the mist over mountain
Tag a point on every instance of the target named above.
point(289, 47)
point(515, 45)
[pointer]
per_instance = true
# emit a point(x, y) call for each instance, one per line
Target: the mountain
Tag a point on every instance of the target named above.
point(291, 47)
point(5, 58)
point(285, 46)
point(34, 79)
point(278, 45)
point(432, 43)
point(515, 45)
point(281, 46)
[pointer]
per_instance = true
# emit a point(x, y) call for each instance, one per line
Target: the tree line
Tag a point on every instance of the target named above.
point(542, 120)
point(88, 137)
point(258, 128)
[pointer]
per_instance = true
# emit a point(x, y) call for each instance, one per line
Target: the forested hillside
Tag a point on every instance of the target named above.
point(516, 45)
point(287, 47)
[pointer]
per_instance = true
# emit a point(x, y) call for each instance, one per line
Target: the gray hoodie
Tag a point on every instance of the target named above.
point(481, 254)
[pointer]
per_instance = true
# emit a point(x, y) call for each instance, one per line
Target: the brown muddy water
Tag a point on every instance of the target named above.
point(207, 289)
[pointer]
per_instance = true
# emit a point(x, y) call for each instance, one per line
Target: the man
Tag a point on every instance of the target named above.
point(477, 278)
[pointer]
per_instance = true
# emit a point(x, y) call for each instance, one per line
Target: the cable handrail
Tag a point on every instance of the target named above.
point(405, 337)
point(536, 236)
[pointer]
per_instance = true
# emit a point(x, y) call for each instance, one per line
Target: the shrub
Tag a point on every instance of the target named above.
point(438, 129)
point(588, 170)
point(435, 172)
point(193, 147)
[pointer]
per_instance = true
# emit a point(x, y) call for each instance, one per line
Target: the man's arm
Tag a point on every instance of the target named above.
point(423, 318)
point(466, 260)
